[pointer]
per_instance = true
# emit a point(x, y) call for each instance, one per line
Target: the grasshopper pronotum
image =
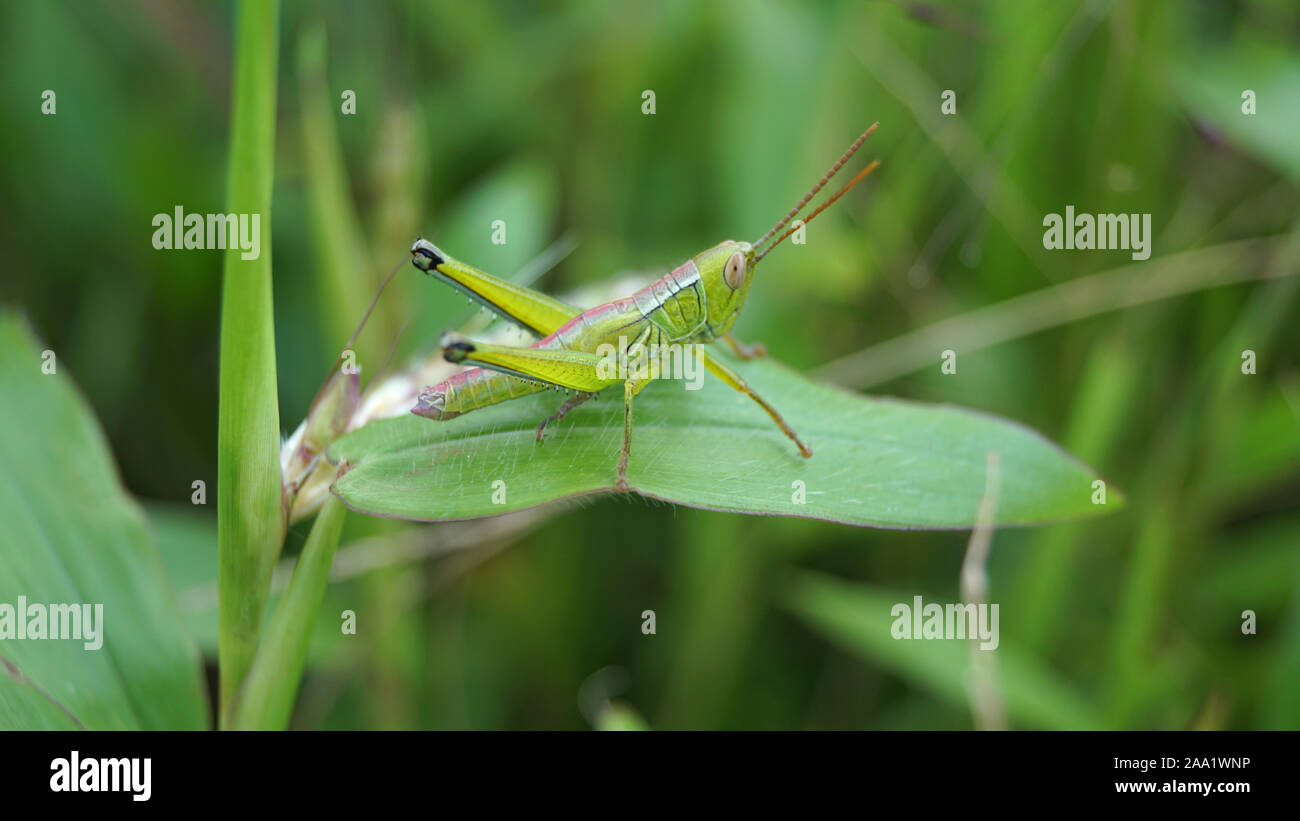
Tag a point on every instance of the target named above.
point(696, 303)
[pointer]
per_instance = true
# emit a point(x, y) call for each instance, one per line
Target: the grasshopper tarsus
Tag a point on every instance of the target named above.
point(620, 484)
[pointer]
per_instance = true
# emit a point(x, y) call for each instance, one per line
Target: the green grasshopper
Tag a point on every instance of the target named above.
point(697, 303)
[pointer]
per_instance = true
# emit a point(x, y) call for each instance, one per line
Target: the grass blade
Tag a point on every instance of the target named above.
point(266, 701)
point(343, 278)
point(250, 516)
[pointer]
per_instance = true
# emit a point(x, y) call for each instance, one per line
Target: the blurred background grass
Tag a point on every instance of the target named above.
point(470, 112)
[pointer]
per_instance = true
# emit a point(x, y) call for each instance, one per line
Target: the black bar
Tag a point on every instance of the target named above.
point(974, 771)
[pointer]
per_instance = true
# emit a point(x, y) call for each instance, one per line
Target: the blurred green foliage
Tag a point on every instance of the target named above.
point(467, 112)
point(123, 660)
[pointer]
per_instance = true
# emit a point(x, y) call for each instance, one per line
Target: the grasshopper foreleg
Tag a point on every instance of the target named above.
point(744, 351)
point(735, 381)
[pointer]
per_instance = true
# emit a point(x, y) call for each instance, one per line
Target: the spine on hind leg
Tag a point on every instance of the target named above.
point(470, 390)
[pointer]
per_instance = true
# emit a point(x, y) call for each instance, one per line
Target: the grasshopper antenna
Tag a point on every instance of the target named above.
point(820, 184)
point(861, 175)
point(325, 386)
point(374, 302)
point(361, 326)
point(858, 178)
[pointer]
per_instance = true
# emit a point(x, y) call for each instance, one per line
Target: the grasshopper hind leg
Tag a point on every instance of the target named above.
point(569, 404)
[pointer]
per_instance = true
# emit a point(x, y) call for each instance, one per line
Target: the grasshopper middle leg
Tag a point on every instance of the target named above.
point(630, 389)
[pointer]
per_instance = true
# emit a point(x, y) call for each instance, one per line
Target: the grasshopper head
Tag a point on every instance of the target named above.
point(760, 248)
point(726, 270)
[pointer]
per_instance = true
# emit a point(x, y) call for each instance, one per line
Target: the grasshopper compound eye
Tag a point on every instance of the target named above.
point(734, 273)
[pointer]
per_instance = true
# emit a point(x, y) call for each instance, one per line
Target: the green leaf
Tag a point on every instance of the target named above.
point(877, 462)
point(859, 618)
point(71, 535)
